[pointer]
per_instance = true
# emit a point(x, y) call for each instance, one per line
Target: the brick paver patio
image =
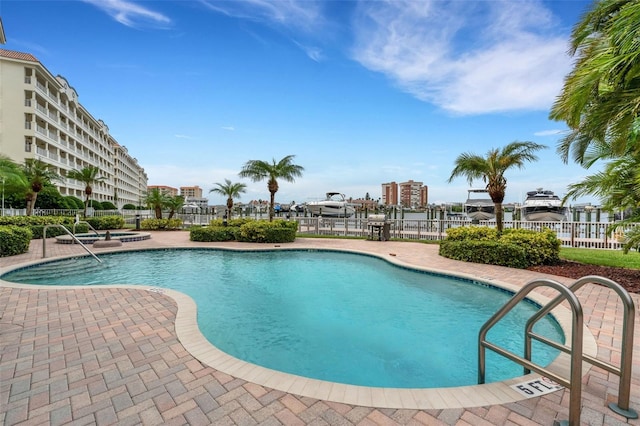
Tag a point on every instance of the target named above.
point(111, 355)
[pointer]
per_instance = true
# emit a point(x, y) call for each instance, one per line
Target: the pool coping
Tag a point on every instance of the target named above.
point(189, 335)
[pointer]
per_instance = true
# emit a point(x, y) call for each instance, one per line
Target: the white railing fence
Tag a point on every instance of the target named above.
point(572, 234)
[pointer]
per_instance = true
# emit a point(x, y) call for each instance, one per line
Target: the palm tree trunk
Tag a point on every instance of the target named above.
point(31, 202)
point(272, 205)
point(499, 217)
point(86, 205)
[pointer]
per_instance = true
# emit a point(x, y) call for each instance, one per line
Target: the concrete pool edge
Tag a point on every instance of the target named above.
point(189, 335)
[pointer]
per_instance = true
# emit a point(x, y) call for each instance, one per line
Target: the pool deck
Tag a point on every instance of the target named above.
point(119, 355)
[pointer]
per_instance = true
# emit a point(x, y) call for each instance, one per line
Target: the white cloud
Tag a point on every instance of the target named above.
point(465, 57)
point(302, 15)
point(182, 136)
point(131, 14)
point(551, 132)
point(229, 128)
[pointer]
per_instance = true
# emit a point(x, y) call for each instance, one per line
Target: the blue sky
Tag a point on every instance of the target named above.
point(361, 92)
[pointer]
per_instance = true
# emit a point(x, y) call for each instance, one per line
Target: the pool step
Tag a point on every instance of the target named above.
point(57, 269)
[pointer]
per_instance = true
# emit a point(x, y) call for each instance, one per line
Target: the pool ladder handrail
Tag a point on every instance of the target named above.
point(575, 351)
point(44, 241)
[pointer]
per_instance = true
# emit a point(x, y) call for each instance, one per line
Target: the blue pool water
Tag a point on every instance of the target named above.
point(328, 315)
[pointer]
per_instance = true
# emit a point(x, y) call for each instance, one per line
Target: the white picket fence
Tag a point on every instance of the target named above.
point(572, 234)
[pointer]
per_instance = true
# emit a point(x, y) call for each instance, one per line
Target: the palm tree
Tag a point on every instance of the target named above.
point(258, 170)
point(89, 176)
point(491, 169)
point(231, 191)
point(173, 204)
point(156, 200)
point(38, 173)
point(600, 99)
point(10, 175)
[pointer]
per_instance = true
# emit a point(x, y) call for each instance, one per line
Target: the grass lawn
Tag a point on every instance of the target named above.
point(613, 258)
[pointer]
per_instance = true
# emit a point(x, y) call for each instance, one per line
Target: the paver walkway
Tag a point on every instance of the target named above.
point(111, 355)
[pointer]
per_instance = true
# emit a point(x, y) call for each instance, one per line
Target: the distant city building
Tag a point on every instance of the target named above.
point(191, 191)
point(168, 190)
point(42, 119)
point(390, 193)
point(413, 194)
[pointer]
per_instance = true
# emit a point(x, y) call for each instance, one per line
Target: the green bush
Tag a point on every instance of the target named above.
point(128, 207)
point(261, 231)
point(472, 233)
point(482, 245)
point(37, 223)
point(74, 202)
point(485, 251)
point(97, 205)
point(161, 224)
point(14, 240)
point(108, 205)
point(106, 222)
point(213, 233)
point(542, 247)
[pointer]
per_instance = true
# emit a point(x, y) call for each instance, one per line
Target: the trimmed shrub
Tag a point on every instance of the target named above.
point(542, 247)
point(106, 222)
point(128, 207)
point(108, 205)
point(97, 205)
point(260, 231)
point(487, 252)
point(14, 240)
point(161, 224)
point(475, 233)
point(37, 223)
point(213, 233)
point(538, 247)
point(74, 202)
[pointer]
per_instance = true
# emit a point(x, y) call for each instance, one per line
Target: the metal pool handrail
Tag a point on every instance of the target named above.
point(626, 346)
point(44, 241)
point(574, 382)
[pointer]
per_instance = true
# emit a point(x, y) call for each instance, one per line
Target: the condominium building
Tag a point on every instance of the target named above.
point(41, 118)
point(191, 191)
point(167, 190)
point(390, 194)
point(413, 194)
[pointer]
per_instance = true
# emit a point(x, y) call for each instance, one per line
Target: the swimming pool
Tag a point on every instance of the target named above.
point(280, 309)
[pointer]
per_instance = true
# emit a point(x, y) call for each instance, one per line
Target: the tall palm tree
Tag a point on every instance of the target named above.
point(231, 191)
point(173, 204)
point(38, 173)
point(89, 176)
point(258, 170)
point(491, 169)
point(156, 200)
point(600, 100)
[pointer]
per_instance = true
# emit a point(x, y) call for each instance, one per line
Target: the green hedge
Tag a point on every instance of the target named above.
point(487, 252)
point(37, 223)
point(262, 231)
point(516, 248)
point(106, 222)
point(14, 240)
point(161, 224)
point(246, 230)
point(210, 234)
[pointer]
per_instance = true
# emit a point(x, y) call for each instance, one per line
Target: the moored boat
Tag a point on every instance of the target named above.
point(479, 205)
point(540, 206)
point(334, 205)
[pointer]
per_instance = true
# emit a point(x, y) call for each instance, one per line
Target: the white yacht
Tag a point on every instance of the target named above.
point(479, 205)
point(334, 205)
point(540, 206)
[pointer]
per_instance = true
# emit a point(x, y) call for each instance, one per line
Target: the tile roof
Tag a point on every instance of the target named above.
point(18, 55)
